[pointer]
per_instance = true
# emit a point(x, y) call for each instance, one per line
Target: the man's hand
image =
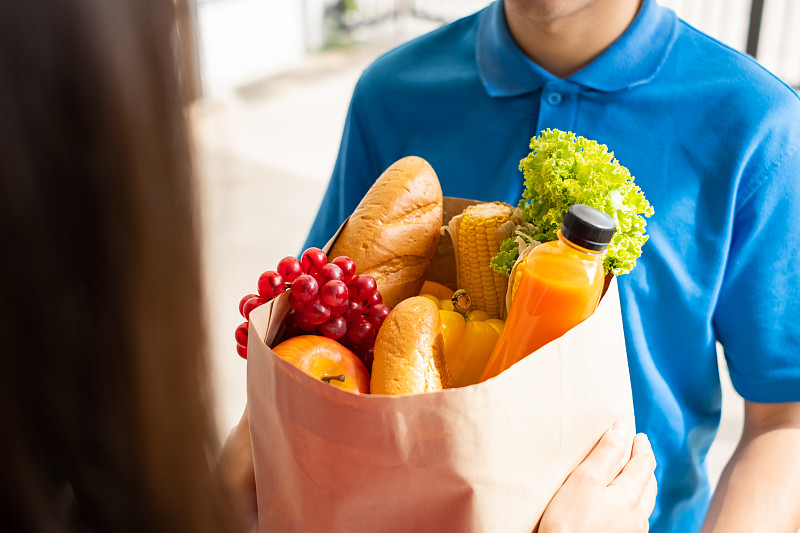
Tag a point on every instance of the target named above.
point(760, 488)
point(613, 489)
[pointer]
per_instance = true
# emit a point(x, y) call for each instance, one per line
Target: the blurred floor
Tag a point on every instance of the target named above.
point(265, 154)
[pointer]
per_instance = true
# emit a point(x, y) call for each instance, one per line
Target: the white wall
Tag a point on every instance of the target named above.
point(779, 42)
point(725, 20)
point(241, 41)
point(729, 20)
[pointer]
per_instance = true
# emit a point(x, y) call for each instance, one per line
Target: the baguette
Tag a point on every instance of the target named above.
point(409, 351)
point(393, 233)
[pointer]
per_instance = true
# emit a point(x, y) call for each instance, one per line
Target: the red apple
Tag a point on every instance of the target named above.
point(326, 359)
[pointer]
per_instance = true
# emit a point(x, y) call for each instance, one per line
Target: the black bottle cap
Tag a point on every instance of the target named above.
point(588, 227)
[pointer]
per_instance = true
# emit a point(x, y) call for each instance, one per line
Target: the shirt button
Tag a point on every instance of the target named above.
point(554, 98)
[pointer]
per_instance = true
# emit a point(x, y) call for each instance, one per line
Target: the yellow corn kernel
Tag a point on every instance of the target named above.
point(478, 242)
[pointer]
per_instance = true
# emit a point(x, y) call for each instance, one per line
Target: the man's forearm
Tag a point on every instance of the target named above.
point(760, 488)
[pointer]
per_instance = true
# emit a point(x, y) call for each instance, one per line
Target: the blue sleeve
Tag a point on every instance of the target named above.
point(757, 319)
point(353, 174)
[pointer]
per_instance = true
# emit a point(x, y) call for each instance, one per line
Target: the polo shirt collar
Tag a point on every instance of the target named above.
point(633, 59)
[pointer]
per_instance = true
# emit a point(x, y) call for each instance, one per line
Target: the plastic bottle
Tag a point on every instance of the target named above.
point(560, 287)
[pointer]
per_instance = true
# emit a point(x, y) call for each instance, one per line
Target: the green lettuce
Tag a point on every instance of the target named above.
point(564, 169)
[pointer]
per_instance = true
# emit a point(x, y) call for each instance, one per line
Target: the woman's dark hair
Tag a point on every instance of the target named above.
point(105, 414)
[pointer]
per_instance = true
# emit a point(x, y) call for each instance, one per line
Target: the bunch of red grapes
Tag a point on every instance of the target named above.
point(327, 298)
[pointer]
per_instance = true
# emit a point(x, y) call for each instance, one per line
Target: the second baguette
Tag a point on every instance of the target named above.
point(409, 350)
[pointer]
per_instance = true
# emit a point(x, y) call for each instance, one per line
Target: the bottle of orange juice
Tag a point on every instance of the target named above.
point(560, 287)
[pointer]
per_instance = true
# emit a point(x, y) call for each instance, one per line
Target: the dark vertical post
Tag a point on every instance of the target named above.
point(753, 33)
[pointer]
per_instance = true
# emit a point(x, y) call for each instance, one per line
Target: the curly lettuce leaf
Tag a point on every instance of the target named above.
point(504, 261)
point(564, 169)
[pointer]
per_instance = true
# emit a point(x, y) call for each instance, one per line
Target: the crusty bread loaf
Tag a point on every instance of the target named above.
point(393, 233)
point(409, 350)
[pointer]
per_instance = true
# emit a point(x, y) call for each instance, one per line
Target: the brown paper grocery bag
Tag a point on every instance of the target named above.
point(483, 458)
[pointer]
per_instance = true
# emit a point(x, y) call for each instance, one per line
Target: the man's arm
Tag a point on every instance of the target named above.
point(760, 487)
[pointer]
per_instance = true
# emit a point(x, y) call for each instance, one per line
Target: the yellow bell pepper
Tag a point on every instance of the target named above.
point(453, 326)
point(467, 346)
point(432, 298)
point(497, 324)
point(469, 342)
point(478, 314)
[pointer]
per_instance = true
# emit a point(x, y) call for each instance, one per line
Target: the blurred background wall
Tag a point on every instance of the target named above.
point(241, 41)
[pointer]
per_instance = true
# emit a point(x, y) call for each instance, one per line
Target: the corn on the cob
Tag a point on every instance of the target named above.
point(478, 242)
point(515, 285)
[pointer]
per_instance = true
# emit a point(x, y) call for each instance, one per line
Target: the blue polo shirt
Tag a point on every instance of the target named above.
point(713, 140)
